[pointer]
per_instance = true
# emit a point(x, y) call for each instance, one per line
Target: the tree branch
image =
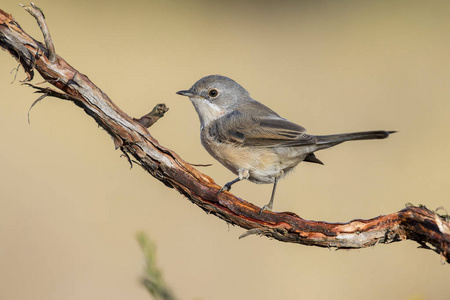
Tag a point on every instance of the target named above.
point(38, 14)
point(157, 112)
point(420, 224)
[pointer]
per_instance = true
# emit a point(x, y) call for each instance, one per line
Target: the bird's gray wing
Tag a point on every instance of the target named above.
point(267, 131)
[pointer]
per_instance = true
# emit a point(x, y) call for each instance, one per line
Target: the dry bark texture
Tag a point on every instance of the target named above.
point(130, 135)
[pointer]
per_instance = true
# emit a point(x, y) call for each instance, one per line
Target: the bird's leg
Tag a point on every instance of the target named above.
point(228, 185)
point(243, 174)
point(269, 206)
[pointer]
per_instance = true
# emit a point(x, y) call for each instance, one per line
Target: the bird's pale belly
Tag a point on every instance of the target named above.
point(263, 164)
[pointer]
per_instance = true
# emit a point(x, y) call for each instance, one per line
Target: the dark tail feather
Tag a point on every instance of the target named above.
point(334, 139)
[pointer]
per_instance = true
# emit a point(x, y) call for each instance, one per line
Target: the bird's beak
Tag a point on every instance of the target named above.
point(187, 93)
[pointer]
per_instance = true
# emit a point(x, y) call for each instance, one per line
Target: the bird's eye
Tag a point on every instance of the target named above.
point(213, 93)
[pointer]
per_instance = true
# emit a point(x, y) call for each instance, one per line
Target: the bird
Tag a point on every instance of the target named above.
point(252, 140)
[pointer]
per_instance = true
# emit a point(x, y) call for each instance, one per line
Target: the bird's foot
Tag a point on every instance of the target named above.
point(228, 185)
point(225, 188)
point(265, 208)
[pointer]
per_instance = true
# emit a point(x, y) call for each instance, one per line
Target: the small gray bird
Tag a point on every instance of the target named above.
point(252, 140)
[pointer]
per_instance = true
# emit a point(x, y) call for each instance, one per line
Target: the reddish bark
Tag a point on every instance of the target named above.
point(130, 135)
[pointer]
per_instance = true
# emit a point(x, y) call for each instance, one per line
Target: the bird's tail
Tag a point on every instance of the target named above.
point(335, 139)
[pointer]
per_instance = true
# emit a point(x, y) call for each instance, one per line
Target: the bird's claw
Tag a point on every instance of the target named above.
point(225, 188)
point(265, 208)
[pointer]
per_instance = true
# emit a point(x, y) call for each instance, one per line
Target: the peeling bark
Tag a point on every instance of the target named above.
point(429, 229)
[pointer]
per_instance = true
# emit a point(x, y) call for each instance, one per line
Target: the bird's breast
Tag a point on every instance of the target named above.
point(264, 164)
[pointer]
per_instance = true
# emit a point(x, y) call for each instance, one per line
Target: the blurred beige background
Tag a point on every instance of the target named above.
point(70, 207)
